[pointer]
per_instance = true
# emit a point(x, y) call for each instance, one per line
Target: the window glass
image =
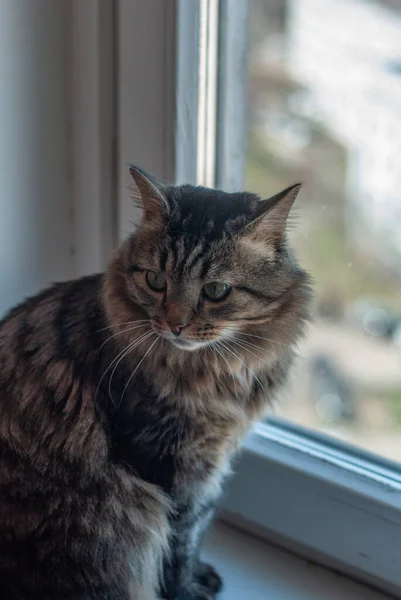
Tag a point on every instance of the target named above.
point(324, 107)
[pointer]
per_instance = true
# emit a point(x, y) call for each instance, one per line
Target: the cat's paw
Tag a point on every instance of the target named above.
point(206, 584)
point(208, 579)
point(196, 592)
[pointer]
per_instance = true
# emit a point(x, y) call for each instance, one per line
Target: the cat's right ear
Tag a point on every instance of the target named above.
point(149, 195)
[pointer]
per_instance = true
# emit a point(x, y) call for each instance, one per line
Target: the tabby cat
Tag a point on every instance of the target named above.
point(124, 395)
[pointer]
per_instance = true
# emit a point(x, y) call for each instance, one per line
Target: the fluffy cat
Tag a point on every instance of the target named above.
point(124, 395)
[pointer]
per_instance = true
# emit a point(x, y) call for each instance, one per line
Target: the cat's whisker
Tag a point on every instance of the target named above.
point(121, 332)
point(125, 349)
point(135, 344)
point(252, 372)
point(138, 365)
point(219, 351)
point(246, 346)
point(242, 361)
point(120, 325)
point(255, 336)
point(109, 367)
point(113, 362)
point(249, 344)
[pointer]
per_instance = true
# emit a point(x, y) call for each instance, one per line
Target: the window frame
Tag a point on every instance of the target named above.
point(232, 94)
point(328, 501)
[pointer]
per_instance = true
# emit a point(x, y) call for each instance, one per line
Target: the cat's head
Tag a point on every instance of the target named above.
point(205, 264)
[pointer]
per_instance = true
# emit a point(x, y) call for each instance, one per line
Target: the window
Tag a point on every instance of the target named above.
point(322, 109)
point(315, 102)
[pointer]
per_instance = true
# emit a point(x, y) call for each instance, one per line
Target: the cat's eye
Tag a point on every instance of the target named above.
point(155, 281)
point(216, 290)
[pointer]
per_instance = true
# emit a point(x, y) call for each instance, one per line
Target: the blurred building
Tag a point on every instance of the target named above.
point(347, 53)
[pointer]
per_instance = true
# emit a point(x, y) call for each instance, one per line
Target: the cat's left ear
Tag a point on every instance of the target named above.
point(152, 195)
point(270, 224)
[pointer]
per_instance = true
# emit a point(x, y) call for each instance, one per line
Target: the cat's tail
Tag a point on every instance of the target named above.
point(149, 517)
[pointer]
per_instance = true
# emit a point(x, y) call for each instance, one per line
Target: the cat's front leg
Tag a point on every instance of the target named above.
point(205, 583)
point(185, 576)
point(207, 578)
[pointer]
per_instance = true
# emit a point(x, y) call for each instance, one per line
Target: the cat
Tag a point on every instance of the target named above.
point(125, 395)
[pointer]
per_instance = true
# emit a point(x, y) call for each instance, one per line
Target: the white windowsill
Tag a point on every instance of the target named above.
point(255, 570)
point(311, 495)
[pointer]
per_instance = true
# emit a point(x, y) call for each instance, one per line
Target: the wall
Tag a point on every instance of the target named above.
point(35, 219)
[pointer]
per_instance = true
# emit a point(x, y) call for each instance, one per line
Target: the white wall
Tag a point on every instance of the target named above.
point(35, 219)
point(146, 96)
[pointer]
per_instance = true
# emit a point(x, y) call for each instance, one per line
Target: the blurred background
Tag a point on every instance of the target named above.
point(324, 108)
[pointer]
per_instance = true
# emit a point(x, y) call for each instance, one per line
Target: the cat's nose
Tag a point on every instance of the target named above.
point(176, 329)
point(175, 318)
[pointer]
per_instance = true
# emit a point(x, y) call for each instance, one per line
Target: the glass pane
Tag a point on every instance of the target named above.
point(325, 109)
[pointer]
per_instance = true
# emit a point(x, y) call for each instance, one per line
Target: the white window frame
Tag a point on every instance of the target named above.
point(329, 502)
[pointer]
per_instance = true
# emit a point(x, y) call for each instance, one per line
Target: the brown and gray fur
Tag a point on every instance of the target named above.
point(116, 434)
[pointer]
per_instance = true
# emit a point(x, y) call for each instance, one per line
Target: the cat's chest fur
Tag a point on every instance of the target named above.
point(183, 441)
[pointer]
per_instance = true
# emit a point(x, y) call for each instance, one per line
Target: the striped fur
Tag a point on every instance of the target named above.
point(114, 442)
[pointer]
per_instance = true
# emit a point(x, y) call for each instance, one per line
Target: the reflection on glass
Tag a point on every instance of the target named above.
point(325, 109)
